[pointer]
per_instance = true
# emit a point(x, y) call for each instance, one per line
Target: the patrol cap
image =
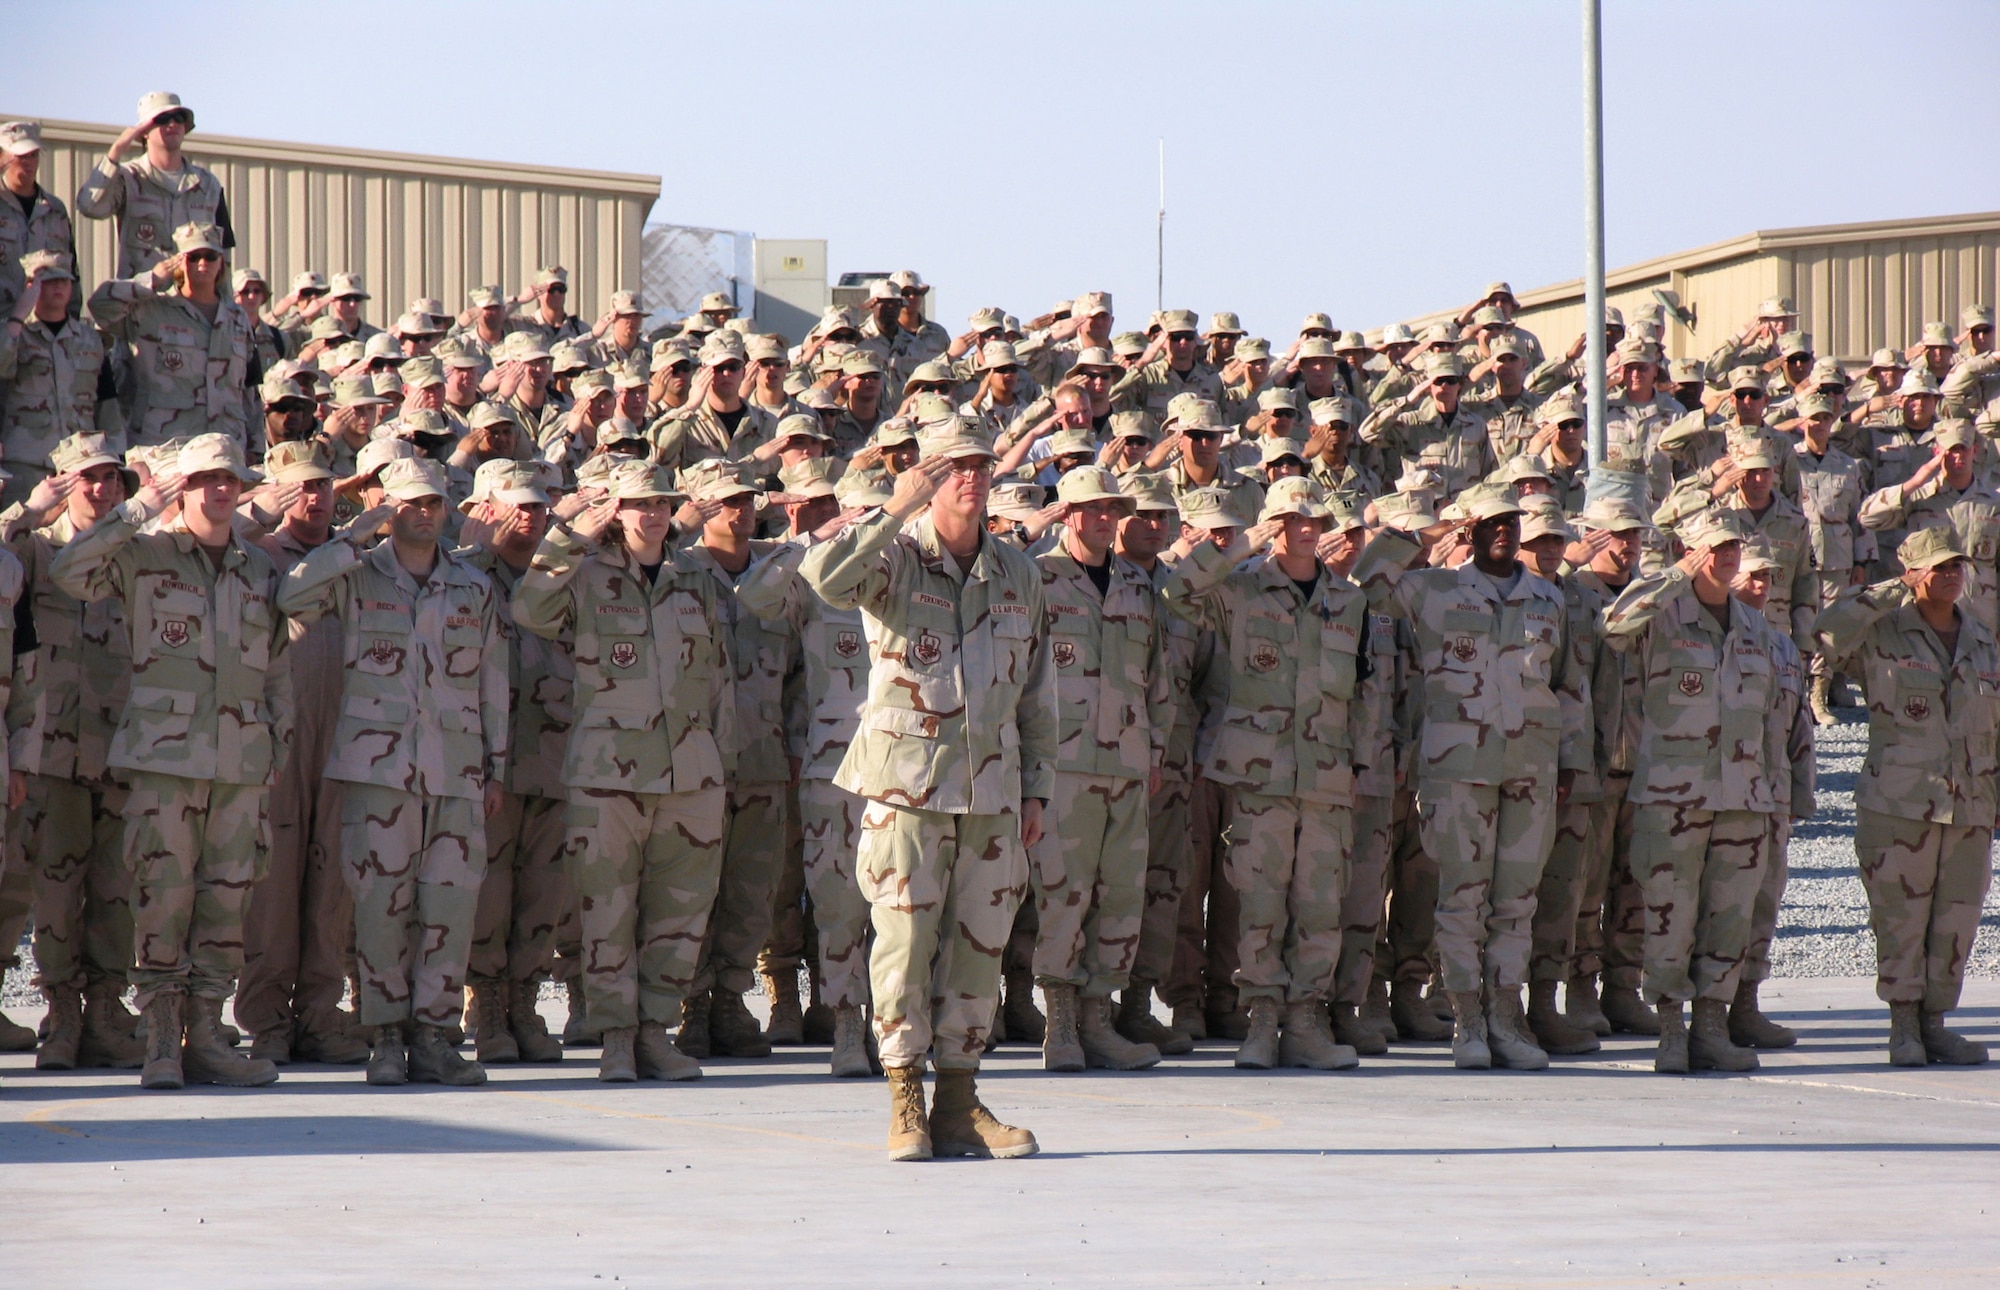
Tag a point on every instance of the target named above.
point(156, 104)
point(1489, 316)
point(1559, 409)
point(1436, 365)
point(952, 437)
point(420, 421)
point(377, 453)
point(799, 425)
point(308, 280)
point(1252, 348)
point(1777, 307)
point(1489, 501)
point(1128, 342)
point(1438, 333)
point(1014, 500)
point(666, 353)
point(819, 400)
point(82, 451)
point(214, 452)
point(413, 323)
point(1097, 359)
point(930, 406)
point(987, 319)
point(1746, 378)
point(1918, 380)
point(883, 289)
point(1179, 320)
point(1295, 495)
point(1397, 334)
point(454, 353)
point(1757, 555)
point(46, 265)
point(1542, 519)
point(1093, 484)
point(567, 356)
point(1937, 335)
point(1130, 425)
point(895, 432)
point(718, 479)
point(1929, 548)
point(1631, 352)
point(244, 277)
point(1351, 342)
point(1685, 371)
point(19, 138)
point(348, 286)
point(383, 346)
point(1815, 405)
point(1975, 316)
point(1149, 492)
point(356, 391)
point(1522, 466)
point(860, 363)
point(622, 430)
point(1408, 512)
point(297, 461)
point(517, 483)
point(908, 280)
point(1954, 434)
point(492, 414)
point(809, 479)
point(1756, 457)
point(1338, 409)
point(1208, 508)
point(1887, 357)
point(1418, 477)
point(1709, 528)
point(420, 372)
point(933, 373)
point(1278, 449)
point(632, 480)
point(762, 348)
point(277, 393)
point(1506, 344)
point(1612, 516)
point(487, 297)
point(1274, 397)
point(859, 489)
point(1316, 347)
point(591, 382)
point(1091, 303)
point(198, 237)
point(1225, 323)
point(1827, 373)
point(1316, 322)
point(997, 353)
point(1072, 443)
point(1794, 342)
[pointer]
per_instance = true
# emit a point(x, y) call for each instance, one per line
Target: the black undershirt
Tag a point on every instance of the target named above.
point(1100, 576)
point(652, 572)
point(28, 202)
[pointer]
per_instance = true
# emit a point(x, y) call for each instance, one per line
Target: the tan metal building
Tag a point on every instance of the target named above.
point(1857, 286)
point(411, 225)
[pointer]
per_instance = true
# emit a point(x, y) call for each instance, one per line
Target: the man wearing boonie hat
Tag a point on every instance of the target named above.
point(1295, 636)
point(1339, 464)
point(716, 421)
point(835, 648)
point(1431, 414)
point(49, 367)
point(1830, 487)
point(190, 367)
point(71, 862)
point(956, 756)
point(1002, 400)
point(1747, 491)
point(1493, 671)
point(1708, 776)
point(647, 760)
point(620, 331)
point(1946, 492)
point(36, 220)
point(897, 332)
point(199, 742)
point(1060, 335)
point(153, 194)
point(1198, 435)
point(1499, 380)
point(1224, 330)
point(1011, 506)
point(1170, 365)
point(542, 309)
point(1756, 344)
point(1088, 871)
point(421, 746)
point(299, 923)
point(1924, 800)
point(1252, 355)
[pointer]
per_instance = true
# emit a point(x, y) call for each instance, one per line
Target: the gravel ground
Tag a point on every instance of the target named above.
point(1824, 928)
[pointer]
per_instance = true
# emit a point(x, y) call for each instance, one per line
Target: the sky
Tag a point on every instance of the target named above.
point(1372, 160)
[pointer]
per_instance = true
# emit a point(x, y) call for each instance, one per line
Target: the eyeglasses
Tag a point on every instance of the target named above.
point(972, 467)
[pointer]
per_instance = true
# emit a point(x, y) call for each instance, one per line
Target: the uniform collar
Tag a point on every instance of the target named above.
point(382, 557)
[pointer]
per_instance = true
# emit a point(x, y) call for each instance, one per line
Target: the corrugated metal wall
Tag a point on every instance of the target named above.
point(412, 226)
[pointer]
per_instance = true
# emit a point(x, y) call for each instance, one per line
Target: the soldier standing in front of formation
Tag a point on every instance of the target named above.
point(1705, 784)
point(153, 195)
point(421, 747)
point(1300, 699)
point(205, 731)
point(1925, 797)
point(956, 756)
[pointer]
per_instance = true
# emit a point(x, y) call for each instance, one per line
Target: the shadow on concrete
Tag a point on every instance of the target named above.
point(1609, 1149)
point(220, 1137)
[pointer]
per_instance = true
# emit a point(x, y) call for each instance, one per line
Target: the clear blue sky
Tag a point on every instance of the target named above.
point(1374, 160)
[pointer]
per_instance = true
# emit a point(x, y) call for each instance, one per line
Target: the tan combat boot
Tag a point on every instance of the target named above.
point(849, 1059)
point(1671, 1057)
point(1307, 1043)
point(659, 1059)
point(1411, 1013)
point(577, 1030)
point(1470, 1050)
point(1946, 1047)
point(164, 1026)
point(388, 1057)
point(1709, 1045)
point(1024, 1022)
point(1228, 1020)
point(692, 1038)
point(1375, 1009)
point(108, 1041)
point(273, 1046)
point(961, 1126)
point(1350, 1030)
point(1821, 702)
point(1749, 1027)
point(1551, 1029)
point(433, 1060)
point(17, 1038)
point(1062, 1050)
point(329, 1037)
point(524, 1022)
point(1259, 1049)
point(1137, 1023)
point(788, 1023)
point(1189, 1021)
point(617, 1064)
point(486, 1004)
point(1580, 1005)
point(1906, 1035)
point(58, 1051)
point(1103, 1047)
point(909, 1126)
point(1508, 1038)
point(732, 1030)
point(1626, 1011)
point(206, 1057)
point(817, 1022)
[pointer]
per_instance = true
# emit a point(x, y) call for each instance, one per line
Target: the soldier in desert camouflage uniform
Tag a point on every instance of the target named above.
point(50, 366)
point(1301, 698)
point(422, 748)
point(1925, 796)
point(652, 742)
point(1089, 870)
point(956, 756)
point(1704, 786)
point(1946, 492)
point(205, 730)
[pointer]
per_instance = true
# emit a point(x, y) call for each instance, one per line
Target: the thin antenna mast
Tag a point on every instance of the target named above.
point(1160, 238)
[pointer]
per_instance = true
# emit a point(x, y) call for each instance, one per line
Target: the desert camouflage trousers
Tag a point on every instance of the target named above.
point(1770, 899)
point(17, 900)
point(644, 868)
point(753, 857)
point(1288, 865)
point(70, 838)
point(1559, 896)
point(942, 890)
point(298, 930)
point(792, 942)
point(1699, 872)
point(1926, 886)
point(1489, 841)
point(1168, 856)
point(1409, 935)
point(1205, 959)
point(830, 823)
point(195, 848)
point(1088, 876)
point(414, 865)
point(1364, 905)
point(524, 895)
point(1611, 918)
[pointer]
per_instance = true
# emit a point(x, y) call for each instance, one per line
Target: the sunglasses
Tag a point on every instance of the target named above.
point(196, 257)
point(180, 117)
point(1444, 380)
point(1798, 358)
point(1749, 395)
point(1201, 436)
point(1284, 412)
point(1008, 370)
point(726, 368)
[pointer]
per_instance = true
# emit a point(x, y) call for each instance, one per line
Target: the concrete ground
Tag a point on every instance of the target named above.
point(1826, 1168)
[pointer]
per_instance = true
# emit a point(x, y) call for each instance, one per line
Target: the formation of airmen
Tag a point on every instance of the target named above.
point(1324, 693)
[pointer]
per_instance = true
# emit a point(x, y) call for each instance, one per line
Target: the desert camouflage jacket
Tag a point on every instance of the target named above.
point(1113, 702)
point(835, 645)
point(79, 675)
point(541, 682)
point(770, 675)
